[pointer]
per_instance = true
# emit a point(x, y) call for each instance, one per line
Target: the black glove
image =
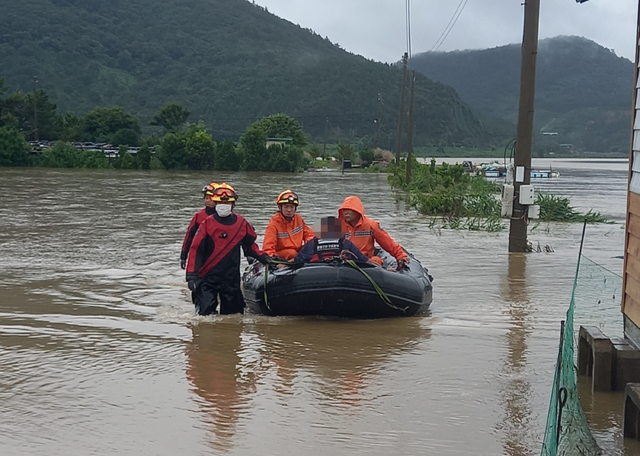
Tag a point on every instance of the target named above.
point(192, 285)
point(265, 259)
point(183, 264)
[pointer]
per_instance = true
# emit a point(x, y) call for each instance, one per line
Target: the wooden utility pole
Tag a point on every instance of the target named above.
point(35, 109)
point(410, 127)
point(379, 119)
point(522, 162)
point(405, 58)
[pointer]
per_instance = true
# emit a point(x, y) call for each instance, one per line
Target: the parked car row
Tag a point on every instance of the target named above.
point(108, 149)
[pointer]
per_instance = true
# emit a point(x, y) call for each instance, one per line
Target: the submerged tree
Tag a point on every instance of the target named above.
point(14, 150)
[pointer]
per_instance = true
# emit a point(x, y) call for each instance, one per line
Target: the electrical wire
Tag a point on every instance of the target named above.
point(408, 26)
point(450, 25)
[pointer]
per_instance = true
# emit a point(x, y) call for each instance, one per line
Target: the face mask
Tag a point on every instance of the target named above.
point(224, 210)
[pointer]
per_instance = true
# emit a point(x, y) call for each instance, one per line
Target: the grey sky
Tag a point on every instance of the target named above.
point(376, 28)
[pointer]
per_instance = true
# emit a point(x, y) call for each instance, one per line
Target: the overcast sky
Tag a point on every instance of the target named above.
point(376, 28)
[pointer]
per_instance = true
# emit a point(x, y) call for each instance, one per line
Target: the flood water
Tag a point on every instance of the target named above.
point(100, 351)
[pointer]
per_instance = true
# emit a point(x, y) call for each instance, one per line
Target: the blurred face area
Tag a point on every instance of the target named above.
point(288, 210)
point(328, 228)
point(351, 217)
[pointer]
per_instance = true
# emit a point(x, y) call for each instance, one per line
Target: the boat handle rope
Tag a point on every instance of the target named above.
point(379, 290)
point(266, 278)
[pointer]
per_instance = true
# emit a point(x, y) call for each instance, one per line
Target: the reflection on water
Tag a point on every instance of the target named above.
point(216, 372)
point(516, 388)
point(345, 357)
point(100, 351)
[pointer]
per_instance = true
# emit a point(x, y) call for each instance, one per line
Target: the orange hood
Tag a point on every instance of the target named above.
point(352, 203)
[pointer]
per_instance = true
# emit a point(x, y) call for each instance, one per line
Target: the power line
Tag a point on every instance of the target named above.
point(408, 26)
point(450, 25)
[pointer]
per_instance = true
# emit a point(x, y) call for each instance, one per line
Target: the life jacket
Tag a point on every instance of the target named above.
point(327, 249)
point(217, 242)
point(197, 219)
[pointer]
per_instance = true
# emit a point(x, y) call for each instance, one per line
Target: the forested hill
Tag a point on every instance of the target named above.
point(229, 61)
point(583, 90)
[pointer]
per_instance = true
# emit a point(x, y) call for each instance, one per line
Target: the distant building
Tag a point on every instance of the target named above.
point(278, 141)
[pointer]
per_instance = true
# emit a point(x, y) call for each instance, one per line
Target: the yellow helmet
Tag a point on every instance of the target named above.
point(208, 189)
point(224, 193)
point(287, 197)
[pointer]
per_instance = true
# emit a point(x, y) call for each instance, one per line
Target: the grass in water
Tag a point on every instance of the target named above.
point(470, 202)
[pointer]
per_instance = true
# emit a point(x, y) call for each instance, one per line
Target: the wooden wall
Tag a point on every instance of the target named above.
point(631, 297)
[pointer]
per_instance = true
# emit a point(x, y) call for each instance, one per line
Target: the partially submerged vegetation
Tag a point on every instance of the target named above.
point(465, 201)
point(557, 209)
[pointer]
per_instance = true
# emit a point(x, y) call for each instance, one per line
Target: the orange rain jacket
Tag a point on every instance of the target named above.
point(367, 231)
point(284, 238)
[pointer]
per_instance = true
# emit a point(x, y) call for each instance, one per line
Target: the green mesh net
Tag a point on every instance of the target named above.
point(596, 296)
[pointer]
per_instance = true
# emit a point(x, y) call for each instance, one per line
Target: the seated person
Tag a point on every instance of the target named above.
point(365, 232)
point(329, 242)
point(286, 232)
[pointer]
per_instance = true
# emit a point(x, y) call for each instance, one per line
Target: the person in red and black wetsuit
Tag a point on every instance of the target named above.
point(329, 242)
point(213, 266)
point(198, 218)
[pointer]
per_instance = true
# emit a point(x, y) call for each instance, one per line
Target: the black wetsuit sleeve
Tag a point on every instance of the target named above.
point(306, 252)
point(188, 237)
point(249, 246)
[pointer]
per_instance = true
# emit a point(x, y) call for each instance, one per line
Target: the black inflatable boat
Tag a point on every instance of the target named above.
point(340, 289)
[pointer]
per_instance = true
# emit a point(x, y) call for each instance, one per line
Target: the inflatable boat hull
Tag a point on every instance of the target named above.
point(338, 289)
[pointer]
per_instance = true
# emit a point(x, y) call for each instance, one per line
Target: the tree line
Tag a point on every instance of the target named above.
point(182, 145)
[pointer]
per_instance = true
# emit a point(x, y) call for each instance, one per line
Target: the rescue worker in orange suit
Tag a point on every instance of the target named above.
point(213, 266)
point(329, 243)
point(286, 232)
point(364, 232)
point(198, 218)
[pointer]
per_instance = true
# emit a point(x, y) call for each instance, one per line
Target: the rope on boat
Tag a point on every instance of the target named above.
point(266, 278)
point(351, 263)
point(379, 290)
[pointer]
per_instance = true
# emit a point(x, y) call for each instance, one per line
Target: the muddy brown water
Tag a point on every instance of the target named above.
point(100, 351)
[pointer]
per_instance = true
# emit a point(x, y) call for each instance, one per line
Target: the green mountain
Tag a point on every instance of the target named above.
point(230, 62)
point(583, 90)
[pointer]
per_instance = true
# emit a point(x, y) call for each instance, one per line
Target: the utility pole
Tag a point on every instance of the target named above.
point(379, 119)
point(35, 109)
point(412, 78)
point(405, 58)
point(518, 225)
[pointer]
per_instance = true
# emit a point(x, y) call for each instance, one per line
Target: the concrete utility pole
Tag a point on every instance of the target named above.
point(35, 109)
point(405, 59)
point(410, 127)
point(518, 225)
